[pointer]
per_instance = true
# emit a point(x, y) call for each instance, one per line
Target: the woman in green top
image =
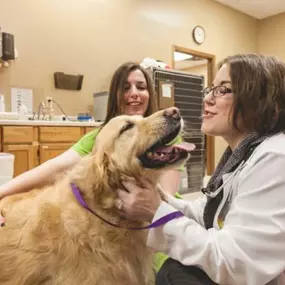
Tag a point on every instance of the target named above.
point(131, 92)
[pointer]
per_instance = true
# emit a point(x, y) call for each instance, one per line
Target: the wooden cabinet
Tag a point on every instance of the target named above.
point(56, 140)
point(25, 157)
point(22, 141)
point(49, 151)
point(33, 145)
point(16, 135)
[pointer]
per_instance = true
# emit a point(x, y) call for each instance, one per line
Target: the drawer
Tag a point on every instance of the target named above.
point(15, 135)
point(60, 134)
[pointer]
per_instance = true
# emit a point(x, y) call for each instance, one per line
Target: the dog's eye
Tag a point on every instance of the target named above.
point(126, 127)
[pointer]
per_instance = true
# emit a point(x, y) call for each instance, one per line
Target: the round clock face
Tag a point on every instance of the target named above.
point(199, 34)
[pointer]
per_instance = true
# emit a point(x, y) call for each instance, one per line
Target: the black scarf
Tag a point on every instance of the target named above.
point(228, 163)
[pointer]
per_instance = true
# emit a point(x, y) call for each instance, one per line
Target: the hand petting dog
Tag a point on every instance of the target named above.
point(139, 200)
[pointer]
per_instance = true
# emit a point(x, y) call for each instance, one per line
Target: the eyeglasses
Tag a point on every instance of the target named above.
point(218, 91)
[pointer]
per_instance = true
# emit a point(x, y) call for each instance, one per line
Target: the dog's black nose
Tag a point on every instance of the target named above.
point(172, 112)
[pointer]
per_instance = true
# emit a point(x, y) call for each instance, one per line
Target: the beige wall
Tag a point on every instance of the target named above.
point(271, 36)
point(94, 37)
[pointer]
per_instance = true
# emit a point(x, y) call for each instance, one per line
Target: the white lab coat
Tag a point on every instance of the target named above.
point(250, 248)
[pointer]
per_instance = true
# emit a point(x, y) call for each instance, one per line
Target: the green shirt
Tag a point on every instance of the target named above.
point(85, 145)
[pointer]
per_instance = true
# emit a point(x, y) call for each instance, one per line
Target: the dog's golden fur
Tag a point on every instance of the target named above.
point(49, 238)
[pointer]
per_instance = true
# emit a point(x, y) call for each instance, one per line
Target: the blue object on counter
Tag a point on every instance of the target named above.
point(84, 118)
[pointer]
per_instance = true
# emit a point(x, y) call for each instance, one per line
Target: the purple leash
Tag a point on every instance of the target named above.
point(161, 221)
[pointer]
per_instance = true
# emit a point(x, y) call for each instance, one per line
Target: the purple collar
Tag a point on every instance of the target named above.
point(163, 220)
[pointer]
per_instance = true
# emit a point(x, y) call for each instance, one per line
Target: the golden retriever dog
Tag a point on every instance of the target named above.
point(50, 238)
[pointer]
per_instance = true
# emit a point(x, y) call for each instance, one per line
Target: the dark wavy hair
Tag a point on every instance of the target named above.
point(258, 84)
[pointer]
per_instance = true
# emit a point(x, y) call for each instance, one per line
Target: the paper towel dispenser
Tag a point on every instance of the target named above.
point(68, 81)
point(8, 49)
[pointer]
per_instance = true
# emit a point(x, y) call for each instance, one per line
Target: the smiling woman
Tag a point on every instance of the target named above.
point(136, 95)
point(131, 92)
point(223, 237)
point(217, 106)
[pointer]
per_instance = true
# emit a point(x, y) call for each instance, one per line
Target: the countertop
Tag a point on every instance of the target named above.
point(48, 123)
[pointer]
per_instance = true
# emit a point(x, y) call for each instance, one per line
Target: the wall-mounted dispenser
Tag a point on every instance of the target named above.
point(67, 81)
point(8, 48)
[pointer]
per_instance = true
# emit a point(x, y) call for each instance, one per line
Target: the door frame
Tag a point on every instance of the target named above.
point(210, 151)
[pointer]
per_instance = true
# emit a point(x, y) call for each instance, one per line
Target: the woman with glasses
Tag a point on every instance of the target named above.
point(235, 233)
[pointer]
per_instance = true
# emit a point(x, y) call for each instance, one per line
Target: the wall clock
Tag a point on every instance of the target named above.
point(198, 34)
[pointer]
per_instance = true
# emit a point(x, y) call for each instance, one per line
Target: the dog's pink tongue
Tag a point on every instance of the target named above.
point(183, 146)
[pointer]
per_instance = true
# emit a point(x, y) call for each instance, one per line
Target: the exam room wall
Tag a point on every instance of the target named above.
point(271, 36)
point(94, 37)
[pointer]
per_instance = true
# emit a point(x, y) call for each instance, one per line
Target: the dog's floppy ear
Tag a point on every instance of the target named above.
point(100, 161)
point(93, 167)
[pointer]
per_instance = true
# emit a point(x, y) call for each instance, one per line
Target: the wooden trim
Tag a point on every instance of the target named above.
point(35, 134)
point(192, 52)
point(210, 141)
point(1, 139)
point(82, 131)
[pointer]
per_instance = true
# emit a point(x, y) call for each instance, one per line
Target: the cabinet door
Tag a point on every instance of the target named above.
point(25, 157)
point(49, 151)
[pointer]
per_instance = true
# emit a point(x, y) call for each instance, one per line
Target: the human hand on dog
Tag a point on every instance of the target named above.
point(139, 202)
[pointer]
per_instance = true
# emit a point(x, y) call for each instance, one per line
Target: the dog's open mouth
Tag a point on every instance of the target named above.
point(160, 154)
